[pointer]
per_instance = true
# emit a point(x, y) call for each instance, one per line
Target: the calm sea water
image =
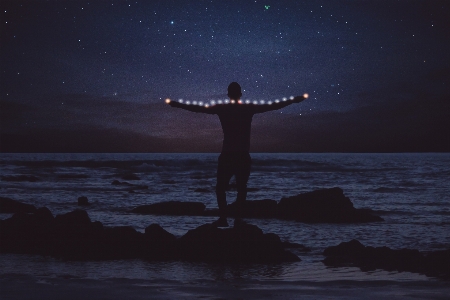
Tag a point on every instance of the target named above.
point(410, 191)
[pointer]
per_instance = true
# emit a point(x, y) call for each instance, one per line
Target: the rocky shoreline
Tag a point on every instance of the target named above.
point(74, 236)
point(320, 206)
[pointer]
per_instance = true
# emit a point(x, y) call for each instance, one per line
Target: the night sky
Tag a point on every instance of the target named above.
point(92, 76)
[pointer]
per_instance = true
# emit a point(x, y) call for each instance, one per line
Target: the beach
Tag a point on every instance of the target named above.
point(408, 191)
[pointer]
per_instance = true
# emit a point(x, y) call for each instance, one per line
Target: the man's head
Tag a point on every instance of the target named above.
point(234, 91)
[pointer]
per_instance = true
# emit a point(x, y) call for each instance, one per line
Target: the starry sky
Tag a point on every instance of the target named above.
point(92, 76)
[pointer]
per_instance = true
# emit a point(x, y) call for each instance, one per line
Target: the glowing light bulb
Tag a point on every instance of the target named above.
point(188, 102)
point(227, 101)
point(269, 102)
point(200, 103)
point(276, 100)
point(284, 98)
point(194, 102)
point(240, 101)
point(213, 102)
point(167, 100)
point(255, 102)
point(262, 101)
point(291, 97)
point(206, 105)
point(247, 101)
point(219, 101)
point(305, 95)
point(180, 100)
point(232, 101)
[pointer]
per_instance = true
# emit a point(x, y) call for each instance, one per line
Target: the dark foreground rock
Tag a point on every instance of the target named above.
point(353, 253)
point(74, 236)
point(321, 206)
point(246, 243)
point(8, 205)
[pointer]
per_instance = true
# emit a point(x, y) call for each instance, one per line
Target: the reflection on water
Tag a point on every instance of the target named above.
point(184, 272)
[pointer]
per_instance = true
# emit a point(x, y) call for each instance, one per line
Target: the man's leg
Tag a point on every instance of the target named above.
point(242, 175)
point(224, 174)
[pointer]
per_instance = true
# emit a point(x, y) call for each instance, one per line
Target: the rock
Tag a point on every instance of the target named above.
point(156, 233)
point(83, 201)
point(8, 205)
point(298, 247)
point(176, 208)
point(29, 178)
point(353, 253)
point(323, 206)
point(351, 248)
point(122, 242)
point(246, 243)
point(255, 209)
point(320, 206)
point(130, 185)
point(159, 244)
point(27, 233)
point(438, 264)
point(77, 217)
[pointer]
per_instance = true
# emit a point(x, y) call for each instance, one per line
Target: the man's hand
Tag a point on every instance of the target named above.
point(170, 102)
point(299, 99)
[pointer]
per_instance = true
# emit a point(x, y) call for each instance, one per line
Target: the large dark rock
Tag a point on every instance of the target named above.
point(176, 208)
point(27, 233)
point(367, 258)
point(77, 217)
point(246, 243)
point(159, 244)
point(156, 234)
point(323, 206)
point(122, 242)
point(74, 236)
point(8, 205)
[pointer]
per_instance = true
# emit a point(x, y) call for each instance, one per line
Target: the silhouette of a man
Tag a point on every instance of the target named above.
point(236, 119)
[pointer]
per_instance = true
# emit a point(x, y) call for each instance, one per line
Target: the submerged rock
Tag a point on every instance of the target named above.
point(8, 205)
point(353, 253)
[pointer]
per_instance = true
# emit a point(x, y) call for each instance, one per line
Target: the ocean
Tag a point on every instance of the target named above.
point(410, 191)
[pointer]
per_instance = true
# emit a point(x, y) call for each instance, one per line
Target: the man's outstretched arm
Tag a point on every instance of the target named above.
point(277, 105)
point(191, 107)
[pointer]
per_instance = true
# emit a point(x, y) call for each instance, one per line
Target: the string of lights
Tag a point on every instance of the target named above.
point(213, 102)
